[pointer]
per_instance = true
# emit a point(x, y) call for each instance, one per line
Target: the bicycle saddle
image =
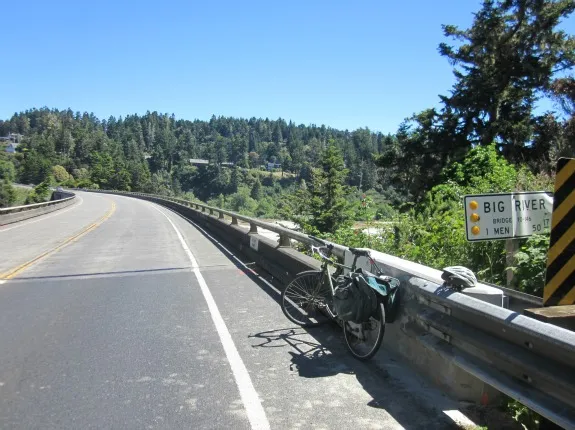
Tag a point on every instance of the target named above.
point(359, 252)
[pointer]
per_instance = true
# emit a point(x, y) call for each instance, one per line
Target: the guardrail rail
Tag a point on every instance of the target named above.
point(14, 214)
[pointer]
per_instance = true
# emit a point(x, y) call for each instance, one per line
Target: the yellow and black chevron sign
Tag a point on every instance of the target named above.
point(560, 277)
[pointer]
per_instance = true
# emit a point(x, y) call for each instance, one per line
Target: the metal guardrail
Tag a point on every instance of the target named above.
point(14, 209)
point(530, 361)
point(20, 213)
point(285, 234)
point(526, 359)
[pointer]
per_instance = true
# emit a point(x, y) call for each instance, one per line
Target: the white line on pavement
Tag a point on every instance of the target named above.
point(250, 398)
point(252, 271)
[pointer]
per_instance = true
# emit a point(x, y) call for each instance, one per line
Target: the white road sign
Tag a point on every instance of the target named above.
point(510, 215)
point(254, 243)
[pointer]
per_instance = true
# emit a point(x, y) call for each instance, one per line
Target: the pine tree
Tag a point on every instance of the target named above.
point(235, 180)
point(512, 51)
point(256, 192)
point(329, 208)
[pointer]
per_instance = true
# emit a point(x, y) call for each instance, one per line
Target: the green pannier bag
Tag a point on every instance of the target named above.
point(354, 299)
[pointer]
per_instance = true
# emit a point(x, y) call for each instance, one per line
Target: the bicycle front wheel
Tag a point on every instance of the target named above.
point(364, 339)
point(305, 299)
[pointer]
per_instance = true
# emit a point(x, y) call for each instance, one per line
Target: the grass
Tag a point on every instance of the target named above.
point(21, 194)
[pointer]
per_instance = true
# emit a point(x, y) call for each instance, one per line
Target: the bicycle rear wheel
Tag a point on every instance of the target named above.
point(305, 299)
point(364, 339)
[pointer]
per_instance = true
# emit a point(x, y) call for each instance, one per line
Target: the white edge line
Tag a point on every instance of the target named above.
point(217, 242)
point(254, 409)
point(249, 269)
point(24, 223)
point(245, 266)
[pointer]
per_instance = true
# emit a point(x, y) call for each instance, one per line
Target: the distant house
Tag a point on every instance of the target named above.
point(11, 148)
point(271, 166)
point(202, 162)
point(13, 140)
point(12, 137)
point(199, 162)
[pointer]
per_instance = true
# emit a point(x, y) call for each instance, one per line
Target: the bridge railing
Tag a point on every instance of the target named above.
point(60, 199)
point(467, 342)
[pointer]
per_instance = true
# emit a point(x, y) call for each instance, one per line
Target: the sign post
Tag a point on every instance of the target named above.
point(511, 248)
point(560, 274)
point(559, 292)
point(507, 216)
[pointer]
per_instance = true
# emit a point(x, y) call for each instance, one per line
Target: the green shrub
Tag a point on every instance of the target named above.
point(7, 194)
point(40, 194)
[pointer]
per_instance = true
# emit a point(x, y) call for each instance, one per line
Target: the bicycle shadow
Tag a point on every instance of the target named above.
point(311, 358)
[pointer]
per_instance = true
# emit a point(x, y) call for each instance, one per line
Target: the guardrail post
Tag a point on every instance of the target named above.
point(203, 209)
point(253, 228)
point(221, 215)
point(234, 221)
point(285, 241)
point(211, 211)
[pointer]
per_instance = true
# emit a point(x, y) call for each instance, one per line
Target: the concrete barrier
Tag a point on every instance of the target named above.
point(59, 200)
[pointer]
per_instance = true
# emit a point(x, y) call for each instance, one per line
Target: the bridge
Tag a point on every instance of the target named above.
point(133, 311)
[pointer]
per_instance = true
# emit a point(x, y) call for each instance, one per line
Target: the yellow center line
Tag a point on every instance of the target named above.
point(17, 270)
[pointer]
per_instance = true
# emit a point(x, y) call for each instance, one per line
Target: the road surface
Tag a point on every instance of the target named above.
point(117, 313)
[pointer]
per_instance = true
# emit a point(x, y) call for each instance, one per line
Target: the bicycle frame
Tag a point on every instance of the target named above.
point(312, 294)
point(325, 270)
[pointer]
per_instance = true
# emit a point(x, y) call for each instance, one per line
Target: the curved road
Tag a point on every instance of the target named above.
point(118, 313)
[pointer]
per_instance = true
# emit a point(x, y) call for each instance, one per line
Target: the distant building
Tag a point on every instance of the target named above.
point(12, 137)
point(11, 148)
point(271, 166)
point(13, 140)
point(203, 162)
point(199, 162)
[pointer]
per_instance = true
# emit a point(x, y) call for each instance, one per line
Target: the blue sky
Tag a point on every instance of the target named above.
point(340, 63)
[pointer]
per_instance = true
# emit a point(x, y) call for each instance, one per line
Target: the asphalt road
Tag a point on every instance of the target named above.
point(118, 314)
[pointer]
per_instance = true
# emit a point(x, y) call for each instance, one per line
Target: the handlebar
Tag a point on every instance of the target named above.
point(326, 249)
point(323, 251)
